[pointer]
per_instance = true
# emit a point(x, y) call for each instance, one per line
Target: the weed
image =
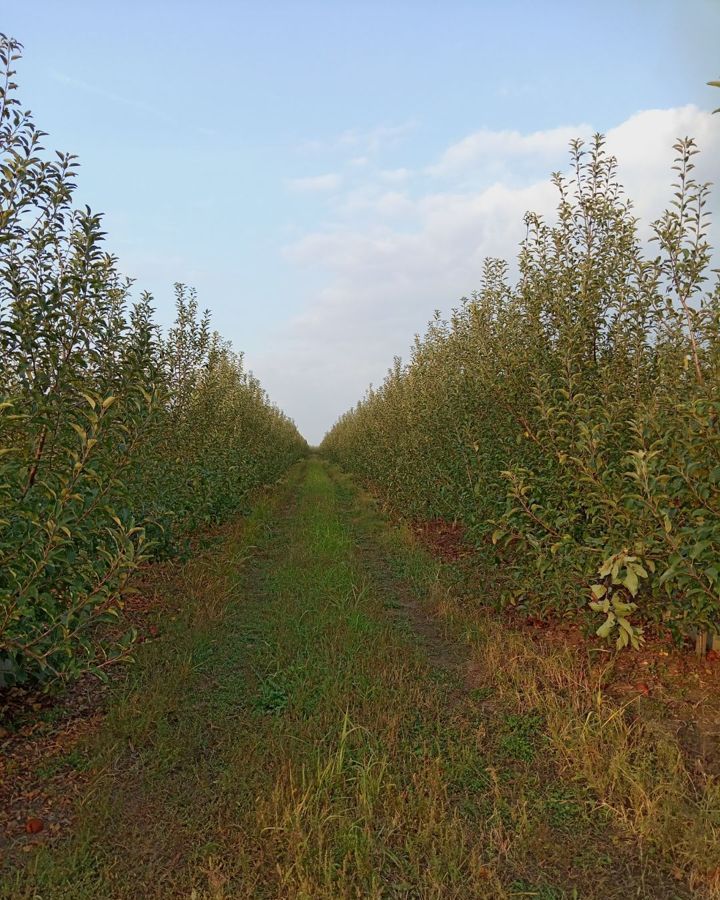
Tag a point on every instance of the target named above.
point(273, 697)
point(520, 736)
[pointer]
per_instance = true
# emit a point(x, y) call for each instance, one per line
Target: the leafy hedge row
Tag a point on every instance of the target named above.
point(572, 419)
point(115, 441)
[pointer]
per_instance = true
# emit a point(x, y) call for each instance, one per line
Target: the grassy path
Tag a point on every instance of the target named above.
point(305, 731)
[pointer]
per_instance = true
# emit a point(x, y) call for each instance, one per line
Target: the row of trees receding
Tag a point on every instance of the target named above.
point(572, 420)
point(115, 441)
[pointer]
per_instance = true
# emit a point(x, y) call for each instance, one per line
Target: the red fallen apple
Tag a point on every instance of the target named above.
point(34, 826)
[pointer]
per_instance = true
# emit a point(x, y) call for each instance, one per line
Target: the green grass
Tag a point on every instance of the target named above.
point(302, 731)
point(519, 736)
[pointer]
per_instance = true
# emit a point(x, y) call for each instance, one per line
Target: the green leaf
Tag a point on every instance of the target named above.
point(606, 627)
point(631, 581)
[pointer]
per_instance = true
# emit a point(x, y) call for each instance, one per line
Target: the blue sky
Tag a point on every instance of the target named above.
point(326, 174)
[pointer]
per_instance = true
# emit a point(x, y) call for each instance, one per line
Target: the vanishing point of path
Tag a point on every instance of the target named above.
point(303, 729)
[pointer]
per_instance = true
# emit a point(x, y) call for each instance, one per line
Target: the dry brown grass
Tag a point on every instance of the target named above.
point(635, 768)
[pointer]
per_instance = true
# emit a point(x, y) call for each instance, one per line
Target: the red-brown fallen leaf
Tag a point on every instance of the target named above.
point(34, 826)
point(642, 688)
point(712, 656)
point(154, 630)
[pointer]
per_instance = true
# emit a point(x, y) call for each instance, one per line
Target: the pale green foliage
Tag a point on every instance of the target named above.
point(621, 574)
point(114, 442)
point(574, 416)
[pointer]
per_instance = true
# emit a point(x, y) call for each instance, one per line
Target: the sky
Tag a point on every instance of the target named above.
point(326, 174)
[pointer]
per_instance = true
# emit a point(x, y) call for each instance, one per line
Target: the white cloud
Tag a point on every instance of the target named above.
point(395, 175)
point(364, 142)
point(504, 147)
point(374, 199)
point(643, 145)
point(329, 182)
point(384, 277)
